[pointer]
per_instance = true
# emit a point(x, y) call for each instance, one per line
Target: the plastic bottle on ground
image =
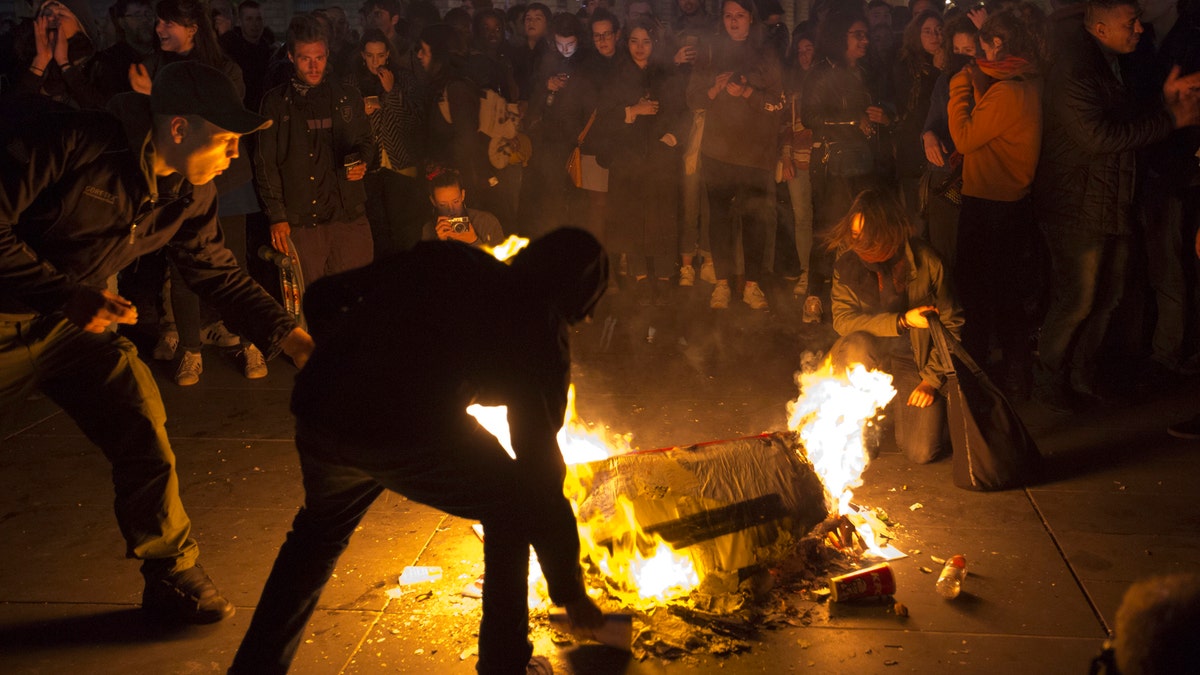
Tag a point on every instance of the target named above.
point(949, 583)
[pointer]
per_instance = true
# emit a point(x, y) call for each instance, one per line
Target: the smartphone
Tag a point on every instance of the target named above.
point(691, 41)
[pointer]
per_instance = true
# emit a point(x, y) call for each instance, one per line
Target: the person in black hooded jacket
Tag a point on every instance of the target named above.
point(405, 345)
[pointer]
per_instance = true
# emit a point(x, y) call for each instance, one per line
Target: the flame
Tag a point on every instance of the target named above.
point(507, 248)
point(829, 416)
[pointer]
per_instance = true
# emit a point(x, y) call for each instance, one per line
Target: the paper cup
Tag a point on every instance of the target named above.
point(870, 582)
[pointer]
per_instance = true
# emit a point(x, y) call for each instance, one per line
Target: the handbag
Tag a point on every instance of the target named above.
point(575, 159)
point(992, 448)
point(849, 158)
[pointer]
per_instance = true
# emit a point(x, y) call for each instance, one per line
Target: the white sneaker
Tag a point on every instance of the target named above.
point(168, 342)
point(812, 310)
point(720, 296)
point(217, 334)
point(254, 366)
point(687, 276)
point(190, 367)
point(752, 295)
point(708, 273)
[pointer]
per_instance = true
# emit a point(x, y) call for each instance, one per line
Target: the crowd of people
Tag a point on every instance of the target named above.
point(1046, 153)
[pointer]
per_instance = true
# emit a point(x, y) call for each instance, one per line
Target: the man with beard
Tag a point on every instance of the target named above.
point(310, 164)
point(134, 23)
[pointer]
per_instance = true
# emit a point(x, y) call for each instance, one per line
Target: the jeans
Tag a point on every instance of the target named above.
point(467, 475)
point(98, 379)
point(336, 246)
point(751, 192)
point(1088, 277)
point(1170, 221)
point(800, 193)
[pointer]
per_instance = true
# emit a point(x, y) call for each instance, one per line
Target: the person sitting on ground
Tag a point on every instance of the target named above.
point(885, 281)
point(455, 221)
point(457, 327)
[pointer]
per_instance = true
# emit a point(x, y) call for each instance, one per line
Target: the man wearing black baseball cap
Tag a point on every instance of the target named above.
point(82, 195)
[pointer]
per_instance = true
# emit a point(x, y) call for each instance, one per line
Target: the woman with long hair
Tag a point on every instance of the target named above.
point(844, 109)
point(885, 282)
point(913, 77)
point(959, 44)
point(185, 30)
point(647, 119)
point(995, 118)
point(739, 85)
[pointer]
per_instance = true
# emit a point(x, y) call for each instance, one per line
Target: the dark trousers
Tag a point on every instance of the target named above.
point(98, 379)
point(190, 314)
point(738, 190)
point(396, 209)
point(1088, 278)
point(921, 433)
point(467, 475)
point(336, 246)
point(996, 277)
point(1170, 218)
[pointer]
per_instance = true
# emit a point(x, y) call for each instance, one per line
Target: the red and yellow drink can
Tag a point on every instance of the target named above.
point(870, 582)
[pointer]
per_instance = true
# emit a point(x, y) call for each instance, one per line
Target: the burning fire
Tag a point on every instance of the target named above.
point(829, 417)
point(508, 248)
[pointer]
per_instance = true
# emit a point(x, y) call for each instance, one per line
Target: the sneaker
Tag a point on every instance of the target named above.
point(1188, 430)
point(254, 366)
point(801, 288)
point(190, 367)
point(168, 342)
point(813, 309)
point(188, 596)
point(539, 665)
point(720, 296)
point(687, 276)
point(708, 273)
point(217, 334)
point(752, 295)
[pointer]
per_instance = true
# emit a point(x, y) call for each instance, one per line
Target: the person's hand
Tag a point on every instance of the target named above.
point(298, 345)
point(386, 78)
point(1198, 243)
point(371, 104)
point(279, 236)
point(877, 115)
point(977, 16)
point(44, 39)
point(686, 54)
point(789, 169)
point(1182, 96)
point(68, 26)
point(584, 616)
point(445, 230)
point(669, 140)
point(736, 88)
point(557, 82)
point(719, 84)
point(922, 396)
point(94, 310)
point(644, 106)
point(356, 171)
point(915, 317)
point(935, 152)
point(980, 82)
point(139, 79)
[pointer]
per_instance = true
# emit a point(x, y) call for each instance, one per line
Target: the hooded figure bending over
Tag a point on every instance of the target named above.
point(403, 347)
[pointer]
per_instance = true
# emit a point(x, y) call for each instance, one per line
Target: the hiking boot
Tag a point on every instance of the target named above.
point(752, 295)
point(168, 342)
point(190, 367)
point(812, 310)
point(687, 276)
point(217, 334)
point(708, 273)
point(801, 288)
point(188, 596)
point(254, 366)
point(720, 296)
point(1188, 430)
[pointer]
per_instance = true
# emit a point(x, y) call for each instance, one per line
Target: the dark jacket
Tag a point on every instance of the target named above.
point(1093, 127)
point(856, 303)
point(78, 204)
point(283, 160)
point(836, 99)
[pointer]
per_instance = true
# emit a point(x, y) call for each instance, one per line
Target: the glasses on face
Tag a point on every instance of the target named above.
point(602, 37)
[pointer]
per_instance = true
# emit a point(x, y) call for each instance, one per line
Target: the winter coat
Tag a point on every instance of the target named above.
point(79, 202)
point(856, 303)
point(1093, 127)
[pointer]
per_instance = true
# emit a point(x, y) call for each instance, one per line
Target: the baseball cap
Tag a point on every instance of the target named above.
point(193, 88)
